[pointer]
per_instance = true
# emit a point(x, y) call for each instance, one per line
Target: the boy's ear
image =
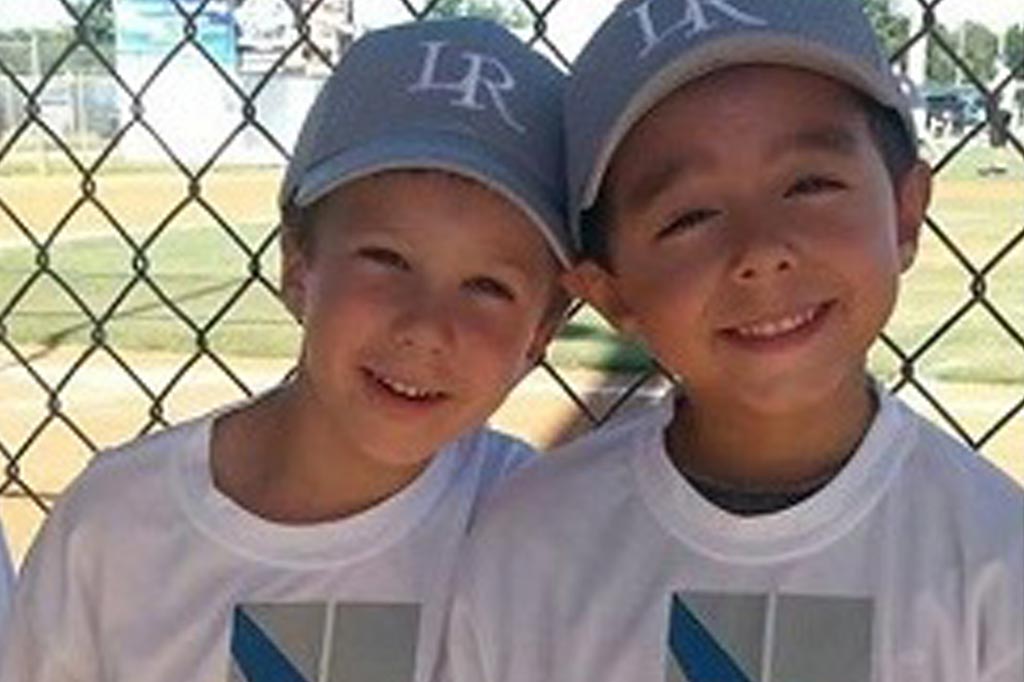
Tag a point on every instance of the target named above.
point(598, 287)
point(294, 267)
point(912, 199)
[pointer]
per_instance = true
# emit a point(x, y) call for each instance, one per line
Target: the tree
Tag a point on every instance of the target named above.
point(941, 69)
point(893, 29)
point(99, 28)
point(1013, 50)
point(1013, 58)
point(24, 51)
point(33, 51)
point(980, 50)
point(496, 10)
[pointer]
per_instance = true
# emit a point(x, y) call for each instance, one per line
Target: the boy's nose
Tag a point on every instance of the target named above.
point(425, 325)
point(760, 253)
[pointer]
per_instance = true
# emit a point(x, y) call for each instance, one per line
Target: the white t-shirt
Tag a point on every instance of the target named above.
point(145, 571)
point(601, 563)
point(6, 581)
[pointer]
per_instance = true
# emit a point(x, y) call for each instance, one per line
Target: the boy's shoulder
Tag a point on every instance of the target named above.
point(587, 467)
point(121, 491)
point(502, 448)
point(609, 444)
point(494, 454)
point(946, 494)
point(137, 470)
point(966, 483)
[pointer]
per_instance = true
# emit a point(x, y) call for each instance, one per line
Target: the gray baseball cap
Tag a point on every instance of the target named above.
point(464, 96)
point(646, 49)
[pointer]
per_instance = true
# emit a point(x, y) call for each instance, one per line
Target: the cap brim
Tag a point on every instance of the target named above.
point(460, 156)
point(721, 54)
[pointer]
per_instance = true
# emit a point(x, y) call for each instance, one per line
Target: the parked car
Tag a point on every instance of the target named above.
point(951, 110)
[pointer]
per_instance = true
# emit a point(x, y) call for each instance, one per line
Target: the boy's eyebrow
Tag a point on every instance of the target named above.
point(525, 269)
point(835, 139)
point(659, 177)
point(829, 138)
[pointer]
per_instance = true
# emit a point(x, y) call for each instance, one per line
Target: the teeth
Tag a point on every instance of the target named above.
point(764, 330)
point(406, 390)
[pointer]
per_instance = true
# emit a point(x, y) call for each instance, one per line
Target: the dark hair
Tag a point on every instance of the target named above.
point(297, 226)
point(893, 140)
point(594, 229)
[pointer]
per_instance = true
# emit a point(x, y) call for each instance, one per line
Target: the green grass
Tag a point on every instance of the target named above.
point(971, 162)
point(982, 216)
point(199, 269)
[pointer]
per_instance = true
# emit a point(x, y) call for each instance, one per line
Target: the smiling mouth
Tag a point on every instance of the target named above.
point(780, 327)
point(404, 389)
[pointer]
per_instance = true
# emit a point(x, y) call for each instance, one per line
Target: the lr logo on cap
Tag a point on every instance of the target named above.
point(695, 20)
point(485, 77)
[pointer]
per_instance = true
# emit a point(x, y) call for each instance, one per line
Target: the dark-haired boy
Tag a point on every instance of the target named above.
point(745, 178)
point(311, 533)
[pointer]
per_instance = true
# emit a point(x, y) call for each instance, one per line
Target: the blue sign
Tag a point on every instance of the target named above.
point(152, 28)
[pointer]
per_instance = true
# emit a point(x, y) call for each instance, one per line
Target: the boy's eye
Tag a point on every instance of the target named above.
point(382, 256)
point(686, 221)
point(813, 184)
point(489, 286)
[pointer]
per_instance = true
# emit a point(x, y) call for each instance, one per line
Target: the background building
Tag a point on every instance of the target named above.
point(198, 62)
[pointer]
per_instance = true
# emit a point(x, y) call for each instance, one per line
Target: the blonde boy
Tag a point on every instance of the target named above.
point(310, 534)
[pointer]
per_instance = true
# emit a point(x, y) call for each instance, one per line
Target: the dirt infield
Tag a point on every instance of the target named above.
point(110, 408)
point(139, 200)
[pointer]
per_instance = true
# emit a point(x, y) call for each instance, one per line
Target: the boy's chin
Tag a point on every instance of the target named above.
point(791, 397)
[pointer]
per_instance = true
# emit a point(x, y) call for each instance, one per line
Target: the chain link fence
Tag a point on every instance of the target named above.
point(140, 150)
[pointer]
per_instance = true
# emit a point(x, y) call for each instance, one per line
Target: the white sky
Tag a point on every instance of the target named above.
point(996, 14)
point(570, 23)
